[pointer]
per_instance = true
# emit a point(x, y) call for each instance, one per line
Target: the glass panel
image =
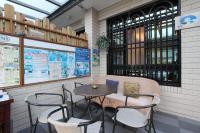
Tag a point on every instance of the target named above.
point(135, 35)
point(62, 1)
point(118, 38)
point(23, 10)
point(136, 57)
point(42, 4)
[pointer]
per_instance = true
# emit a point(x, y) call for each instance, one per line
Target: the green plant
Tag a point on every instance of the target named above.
point(103, 42)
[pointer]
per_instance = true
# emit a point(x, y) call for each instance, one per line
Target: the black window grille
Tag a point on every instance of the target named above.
point(144, 43)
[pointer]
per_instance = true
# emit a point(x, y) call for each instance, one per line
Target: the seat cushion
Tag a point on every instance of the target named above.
point(56, 116)
point(112, 84)
point(140, 101)
point(92, 128)
point(131, 88)
point(136, 118)
point(116, 99)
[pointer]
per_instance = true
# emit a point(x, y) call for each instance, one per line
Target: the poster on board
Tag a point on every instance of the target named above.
point(9, 65)
point(35, 65)
point(45, 65)
point(95, 57)
point(82, 62)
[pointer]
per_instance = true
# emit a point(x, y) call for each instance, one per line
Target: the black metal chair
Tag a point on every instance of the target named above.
point(41, 107)
point(74, 125)
point(73, 101)
point(137, 116)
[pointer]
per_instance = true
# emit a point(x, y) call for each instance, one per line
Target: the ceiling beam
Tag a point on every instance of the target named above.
point(29, 6)
point(67, 6)
point(55, 2)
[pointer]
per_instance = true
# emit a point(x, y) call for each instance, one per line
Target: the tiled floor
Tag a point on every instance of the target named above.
point(164, 123)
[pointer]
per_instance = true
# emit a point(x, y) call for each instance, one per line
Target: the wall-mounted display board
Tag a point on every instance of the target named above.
point(45, 61)
point(9, 61)
point(82, 62)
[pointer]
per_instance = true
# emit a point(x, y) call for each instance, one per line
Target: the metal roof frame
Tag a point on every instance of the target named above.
point(65, 7)
point(29, 6)
point(54, 2)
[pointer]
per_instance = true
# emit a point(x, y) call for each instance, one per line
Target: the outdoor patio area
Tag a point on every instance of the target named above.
point(99, 66)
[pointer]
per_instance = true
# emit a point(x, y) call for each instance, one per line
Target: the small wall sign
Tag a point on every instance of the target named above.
point(187, 21)
point(9, 39)
point(95, 57)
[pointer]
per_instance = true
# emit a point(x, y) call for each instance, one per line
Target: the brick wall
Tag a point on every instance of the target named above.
point(19, 109)
point(183, 101)
point(92, 29)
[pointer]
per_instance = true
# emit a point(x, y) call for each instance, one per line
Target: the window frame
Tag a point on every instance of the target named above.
point(146, 70)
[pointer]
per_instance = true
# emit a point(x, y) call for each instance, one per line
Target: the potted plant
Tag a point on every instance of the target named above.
point(103, 42)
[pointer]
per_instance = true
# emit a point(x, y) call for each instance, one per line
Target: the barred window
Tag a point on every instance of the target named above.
point(144, 43)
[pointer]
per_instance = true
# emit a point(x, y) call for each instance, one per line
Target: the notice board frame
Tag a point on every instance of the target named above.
point(21, 61)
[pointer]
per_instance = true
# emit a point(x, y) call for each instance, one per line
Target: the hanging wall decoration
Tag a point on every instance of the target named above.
point(95, 57)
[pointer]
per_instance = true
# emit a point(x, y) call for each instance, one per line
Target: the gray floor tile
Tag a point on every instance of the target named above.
point(164, 123)
point(167, 120)
point(166, 128)
point(185, 131)
point(181, 119)
point(190, 126)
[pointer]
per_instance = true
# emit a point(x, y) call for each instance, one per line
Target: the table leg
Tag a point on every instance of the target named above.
point(101, 101)
point(87, 110)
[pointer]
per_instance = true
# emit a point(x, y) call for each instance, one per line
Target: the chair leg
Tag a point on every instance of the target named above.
point(31, 128)
point(72, 108)
point(49, 127)
point(35, 128)
point(103, 121)
point(149, 131)
point(153, 126)
point(114, 125)
point(152, 122)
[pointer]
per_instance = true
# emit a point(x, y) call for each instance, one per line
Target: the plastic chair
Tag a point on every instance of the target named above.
point(40, 107)
point(74, 125)
point(68, 94)
point(137, 116)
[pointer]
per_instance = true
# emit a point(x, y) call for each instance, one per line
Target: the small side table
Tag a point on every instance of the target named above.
point(5, 115)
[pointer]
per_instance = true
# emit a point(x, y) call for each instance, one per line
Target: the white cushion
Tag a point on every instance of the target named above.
point(56, 116)
point(131, 117)
point(140, 101)
point(92, 128)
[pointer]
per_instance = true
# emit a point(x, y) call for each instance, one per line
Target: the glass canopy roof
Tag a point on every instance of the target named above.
point(34, 8)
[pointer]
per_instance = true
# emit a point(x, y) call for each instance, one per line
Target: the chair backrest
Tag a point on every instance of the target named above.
point(62, 127)
point(35, 101)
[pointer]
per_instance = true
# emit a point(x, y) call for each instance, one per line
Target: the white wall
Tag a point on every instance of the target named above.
point(183, 101)
point(92, 30)
point(78, 24)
